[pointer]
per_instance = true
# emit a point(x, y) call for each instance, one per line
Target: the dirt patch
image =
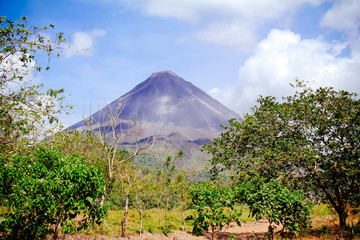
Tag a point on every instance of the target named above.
point(251, 230)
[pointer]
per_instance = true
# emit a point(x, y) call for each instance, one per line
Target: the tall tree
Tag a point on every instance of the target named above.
point(311, 139)
point(26, 109)
point(182, 185)
point(108, 132)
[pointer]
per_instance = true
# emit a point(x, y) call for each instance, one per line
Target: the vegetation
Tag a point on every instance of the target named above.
point(214, 207)
point(41, 189)
point(278, 205)
point(310, 141)
point(281, 156)
point(45, 192)
point(27, 111)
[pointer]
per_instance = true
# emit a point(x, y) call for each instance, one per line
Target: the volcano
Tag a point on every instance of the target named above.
point(168, 108)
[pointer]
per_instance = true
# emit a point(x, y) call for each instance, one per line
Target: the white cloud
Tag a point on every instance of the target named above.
point(11, 64)
point(233, 35)
point(194, 10)
point(231, 23)
point(343, 16)
point(83, 42)
point(281, 58)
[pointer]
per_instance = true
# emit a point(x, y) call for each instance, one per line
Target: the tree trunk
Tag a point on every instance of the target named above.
point(341, 211)
point(123, 220)
point(183, 218)
point(340, 206)
point(212, 232)
point(166, 222)
point(141, 219)
point(105, 187)
point(159, 218)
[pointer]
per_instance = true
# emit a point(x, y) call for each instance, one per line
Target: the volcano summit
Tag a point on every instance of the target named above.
point(168, 108)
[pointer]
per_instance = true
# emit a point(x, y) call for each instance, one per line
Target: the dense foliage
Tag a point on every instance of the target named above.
point(46, 192)
point(309, 140)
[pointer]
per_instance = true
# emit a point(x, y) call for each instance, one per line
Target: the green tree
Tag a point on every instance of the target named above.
point(213, 207)
point(47, 192)
point(26, 109)
point(167, 179)
point(277, 204)
point(182, 184)
point(141, 196)
point(308, 140)
point(163, 186)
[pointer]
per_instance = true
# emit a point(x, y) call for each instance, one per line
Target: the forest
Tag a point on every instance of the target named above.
point(279, 164)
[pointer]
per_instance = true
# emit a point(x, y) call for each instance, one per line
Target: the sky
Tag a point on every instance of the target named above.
point(235, 50)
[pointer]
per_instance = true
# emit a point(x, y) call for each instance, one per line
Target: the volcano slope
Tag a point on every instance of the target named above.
point(166, 111)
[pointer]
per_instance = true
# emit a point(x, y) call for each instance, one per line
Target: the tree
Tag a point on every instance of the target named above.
point(135, 185)
point(277, 204)
point(213, 207)
point(25, 108)
point(107, 129)
point(48, 192)
point(168, 181)
point(181, 190)
point(141, 196)
point(309, 140)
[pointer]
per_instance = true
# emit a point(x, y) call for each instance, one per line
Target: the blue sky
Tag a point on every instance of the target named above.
point(235, 50)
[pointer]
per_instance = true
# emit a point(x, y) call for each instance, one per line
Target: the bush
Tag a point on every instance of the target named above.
point(213, 206)
point(278, 205)
point(45, 192)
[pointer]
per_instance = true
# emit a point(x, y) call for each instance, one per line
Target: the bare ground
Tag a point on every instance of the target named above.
point(251, 230)
point(248, 231)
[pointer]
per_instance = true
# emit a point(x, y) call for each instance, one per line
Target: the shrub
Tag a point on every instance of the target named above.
point(213, 206)
point(45, 192)
point(278, 205)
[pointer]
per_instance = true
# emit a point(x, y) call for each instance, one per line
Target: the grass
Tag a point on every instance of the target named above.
point(322, 210)
point(325, 222)
point(153, 222)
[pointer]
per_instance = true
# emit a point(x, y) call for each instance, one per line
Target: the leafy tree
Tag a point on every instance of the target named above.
point(214, 207)
point(46, 192)
point(136, 187)
point(87, 146)
point(167, 178)
point(113, 162)
point(277, 204)
point(162, 186)
point(141, 196)
point(26, 109)
point(167, 181)
point(182, 184)
point(309, 140)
